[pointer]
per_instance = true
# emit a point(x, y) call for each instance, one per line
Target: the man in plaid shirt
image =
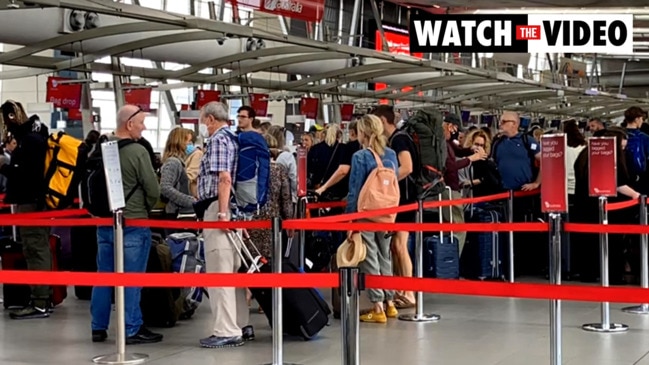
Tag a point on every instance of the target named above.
point(215, 180)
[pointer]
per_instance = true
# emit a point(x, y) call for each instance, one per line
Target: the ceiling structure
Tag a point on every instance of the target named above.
point(200, 46)
point(500, 4)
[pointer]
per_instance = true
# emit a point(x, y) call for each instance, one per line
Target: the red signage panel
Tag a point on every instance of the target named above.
point(205, 96)
point(602, 166)
point(554, 186)
point(66, 95)
point(347, 112)
point(307, 10)
point(259, 102)
point(398, 43)
point(139, 96)
point(309, 107)
point(301, 171)
point(75, 114)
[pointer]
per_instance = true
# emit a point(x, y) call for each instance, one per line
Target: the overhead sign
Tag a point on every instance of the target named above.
point(259, 102)
point(602, 156)
point(66, 94)
point(398, 43)
point(554, 186)
point(301, 171)
point(309, 107)
point(138, 96)
point(520, 33)
point(347, 112)
point(205, 96)
point(307, 10)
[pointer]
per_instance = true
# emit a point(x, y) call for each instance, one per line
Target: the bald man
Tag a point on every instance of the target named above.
point(141, 193)
point(515, 153)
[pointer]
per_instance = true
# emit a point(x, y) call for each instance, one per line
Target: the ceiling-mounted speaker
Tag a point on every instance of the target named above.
point(76, 20)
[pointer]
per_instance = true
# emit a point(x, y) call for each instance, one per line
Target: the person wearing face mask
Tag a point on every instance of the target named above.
point(26, 190)
point(194, 153)
point(141, 193)
point(174, 183)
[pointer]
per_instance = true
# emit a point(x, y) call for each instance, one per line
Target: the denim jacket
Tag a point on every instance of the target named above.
point(363, 162)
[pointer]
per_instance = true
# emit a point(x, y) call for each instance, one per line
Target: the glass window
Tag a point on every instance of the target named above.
point(178, 6)
point(153, 4)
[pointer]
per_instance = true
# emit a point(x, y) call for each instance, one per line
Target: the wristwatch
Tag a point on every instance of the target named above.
point(222, 215)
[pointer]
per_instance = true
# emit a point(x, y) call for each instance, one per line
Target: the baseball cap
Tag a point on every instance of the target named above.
point(316, 128)
point(453, 119)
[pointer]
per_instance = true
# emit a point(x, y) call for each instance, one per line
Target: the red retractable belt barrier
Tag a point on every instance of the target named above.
point(622, 205)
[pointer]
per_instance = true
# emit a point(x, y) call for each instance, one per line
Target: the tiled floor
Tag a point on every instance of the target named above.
point(473, 330)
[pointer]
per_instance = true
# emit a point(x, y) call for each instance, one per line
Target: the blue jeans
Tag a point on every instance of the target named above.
point(137, 245)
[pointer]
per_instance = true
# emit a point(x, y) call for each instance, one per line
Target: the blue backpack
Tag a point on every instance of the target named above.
point(252, 182)
point(636, 154)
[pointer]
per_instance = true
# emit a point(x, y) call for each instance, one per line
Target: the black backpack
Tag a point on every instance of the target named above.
point(94, 192)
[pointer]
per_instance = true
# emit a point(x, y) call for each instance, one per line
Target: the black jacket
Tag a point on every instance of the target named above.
point(26, 171)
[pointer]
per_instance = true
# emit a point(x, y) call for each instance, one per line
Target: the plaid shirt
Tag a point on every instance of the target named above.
point(221, 154)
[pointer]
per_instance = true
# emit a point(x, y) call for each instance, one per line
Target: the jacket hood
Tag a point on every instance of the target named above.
point(32, 125)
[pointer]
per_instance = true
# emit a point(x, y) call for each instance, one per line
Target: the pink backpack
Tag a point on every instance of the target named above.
point(380, 191)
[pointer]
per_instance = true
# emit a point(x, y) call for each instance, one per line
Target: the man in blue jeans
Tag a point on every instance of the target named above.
point(141, 192)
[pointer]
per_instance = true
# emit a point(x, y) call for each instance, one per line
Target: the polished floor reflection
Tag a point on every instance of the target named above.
point(473, 330)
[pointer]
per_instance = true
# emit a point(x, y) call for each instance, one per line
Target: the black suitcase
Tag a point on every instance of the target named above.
point(14, 295)
point(83, 242)
point(305, 312)
point(482, 257)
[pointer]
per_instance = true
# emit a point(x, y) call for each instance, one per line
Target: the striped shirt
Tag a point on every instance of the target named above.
point(221, 154)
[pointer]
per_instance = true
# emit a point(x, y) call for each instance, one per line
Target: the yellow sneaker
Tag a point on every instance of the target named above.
point(373, 317)
point(392, 312)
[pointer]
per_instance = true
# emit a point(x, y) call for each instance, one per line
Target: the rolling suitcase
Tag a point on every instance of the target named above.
point(482, 257)
point(305, 311)
point(441, 253)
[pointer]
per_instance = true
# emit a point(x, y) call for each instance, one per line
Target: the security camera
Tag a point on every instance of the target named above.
point(220, 41)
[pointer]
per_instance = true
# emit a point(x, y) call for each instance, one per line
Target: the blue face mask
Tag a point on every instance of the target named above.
point(190, 148)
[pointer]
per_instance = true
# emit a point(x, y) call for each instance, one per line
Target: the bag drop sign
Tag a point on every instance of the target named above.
point(602, 156)
point(554, 187)
point(520, 33)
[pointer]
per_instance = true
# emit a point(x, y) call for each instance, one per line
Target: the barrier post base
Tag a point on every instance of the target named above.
point(611, 328)
point(638, 309)
point(420, 317)
point(121, 359)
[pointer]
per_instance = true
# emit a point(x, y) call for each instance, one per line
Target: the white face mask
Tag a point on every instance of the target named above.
point(202, 129)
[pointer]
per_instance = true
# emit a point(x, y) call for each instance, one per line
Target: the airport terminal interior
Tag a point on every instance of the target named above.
point(305, 68)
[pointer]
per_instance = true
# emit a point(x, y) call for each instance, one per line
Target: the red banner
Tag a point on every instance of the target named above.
point(65, 95)
point(602, 157)
point(307, 10)
point(309, 107)
point(139, 96)
point(554, 187)
point(259, 102)
point(398, 43)
point(205, 96)
point(301, 171)
point(347, 112)
point(75, 114)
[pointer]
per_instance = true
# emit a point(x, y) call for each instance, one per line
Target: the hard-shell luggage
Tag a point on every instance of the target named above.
point(441, 253)
point(482, 257)
point(305, 311)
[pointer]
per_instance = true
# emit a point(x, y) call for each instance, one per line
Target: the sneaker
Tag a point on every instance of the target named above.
point(99, 335)
point(214, 342)
point(248, 333)
point(392, 312)
point(30, 312)
point(143, 336)
point(373, 317)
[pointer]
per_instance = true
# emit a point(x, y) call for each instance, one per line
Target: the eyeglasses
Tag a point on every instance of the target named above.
point(139, 110)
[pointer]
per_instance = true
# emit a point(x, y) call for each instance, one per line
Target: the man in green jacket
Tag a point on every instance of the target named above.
point(137, 176)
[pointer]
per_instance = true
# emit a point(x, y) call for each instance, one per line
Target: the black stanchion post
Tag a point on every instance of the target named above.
point(555, 279)
point(510, 219)
point(301, 209)
point(351, 283)
point(644, 257)
point(419, 315)
point(605, 325)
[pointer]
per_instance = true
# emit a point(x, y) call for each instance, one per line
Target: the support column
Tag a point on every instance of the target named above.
point(117, 83)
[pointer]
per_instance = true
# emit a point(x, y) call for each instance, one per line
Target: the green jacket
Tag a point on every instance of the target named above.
point(137, 168)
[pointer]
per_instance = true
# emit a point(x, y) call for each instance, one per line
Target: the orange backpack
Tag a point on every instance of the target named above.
point(380, 191)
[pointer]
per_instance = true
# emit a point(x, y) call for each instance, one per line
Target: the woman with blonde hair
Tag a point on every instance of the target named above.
point(481, 177)
point(377, 260)
point(174, 183)
point(284, 158)
point(323, 161)
point(193, 162)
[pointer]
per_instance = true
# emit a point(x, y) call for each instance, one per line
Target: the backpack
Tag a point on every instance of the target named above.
point(65, 162)
point(636, 155)
point(252, 182)
point(380, 191)
point(426, 131)
point(188, 256)
point(94, 191)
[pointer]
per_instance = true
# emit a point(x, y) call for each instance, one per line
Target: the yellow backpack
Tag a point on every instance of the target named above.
point(65, 164)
